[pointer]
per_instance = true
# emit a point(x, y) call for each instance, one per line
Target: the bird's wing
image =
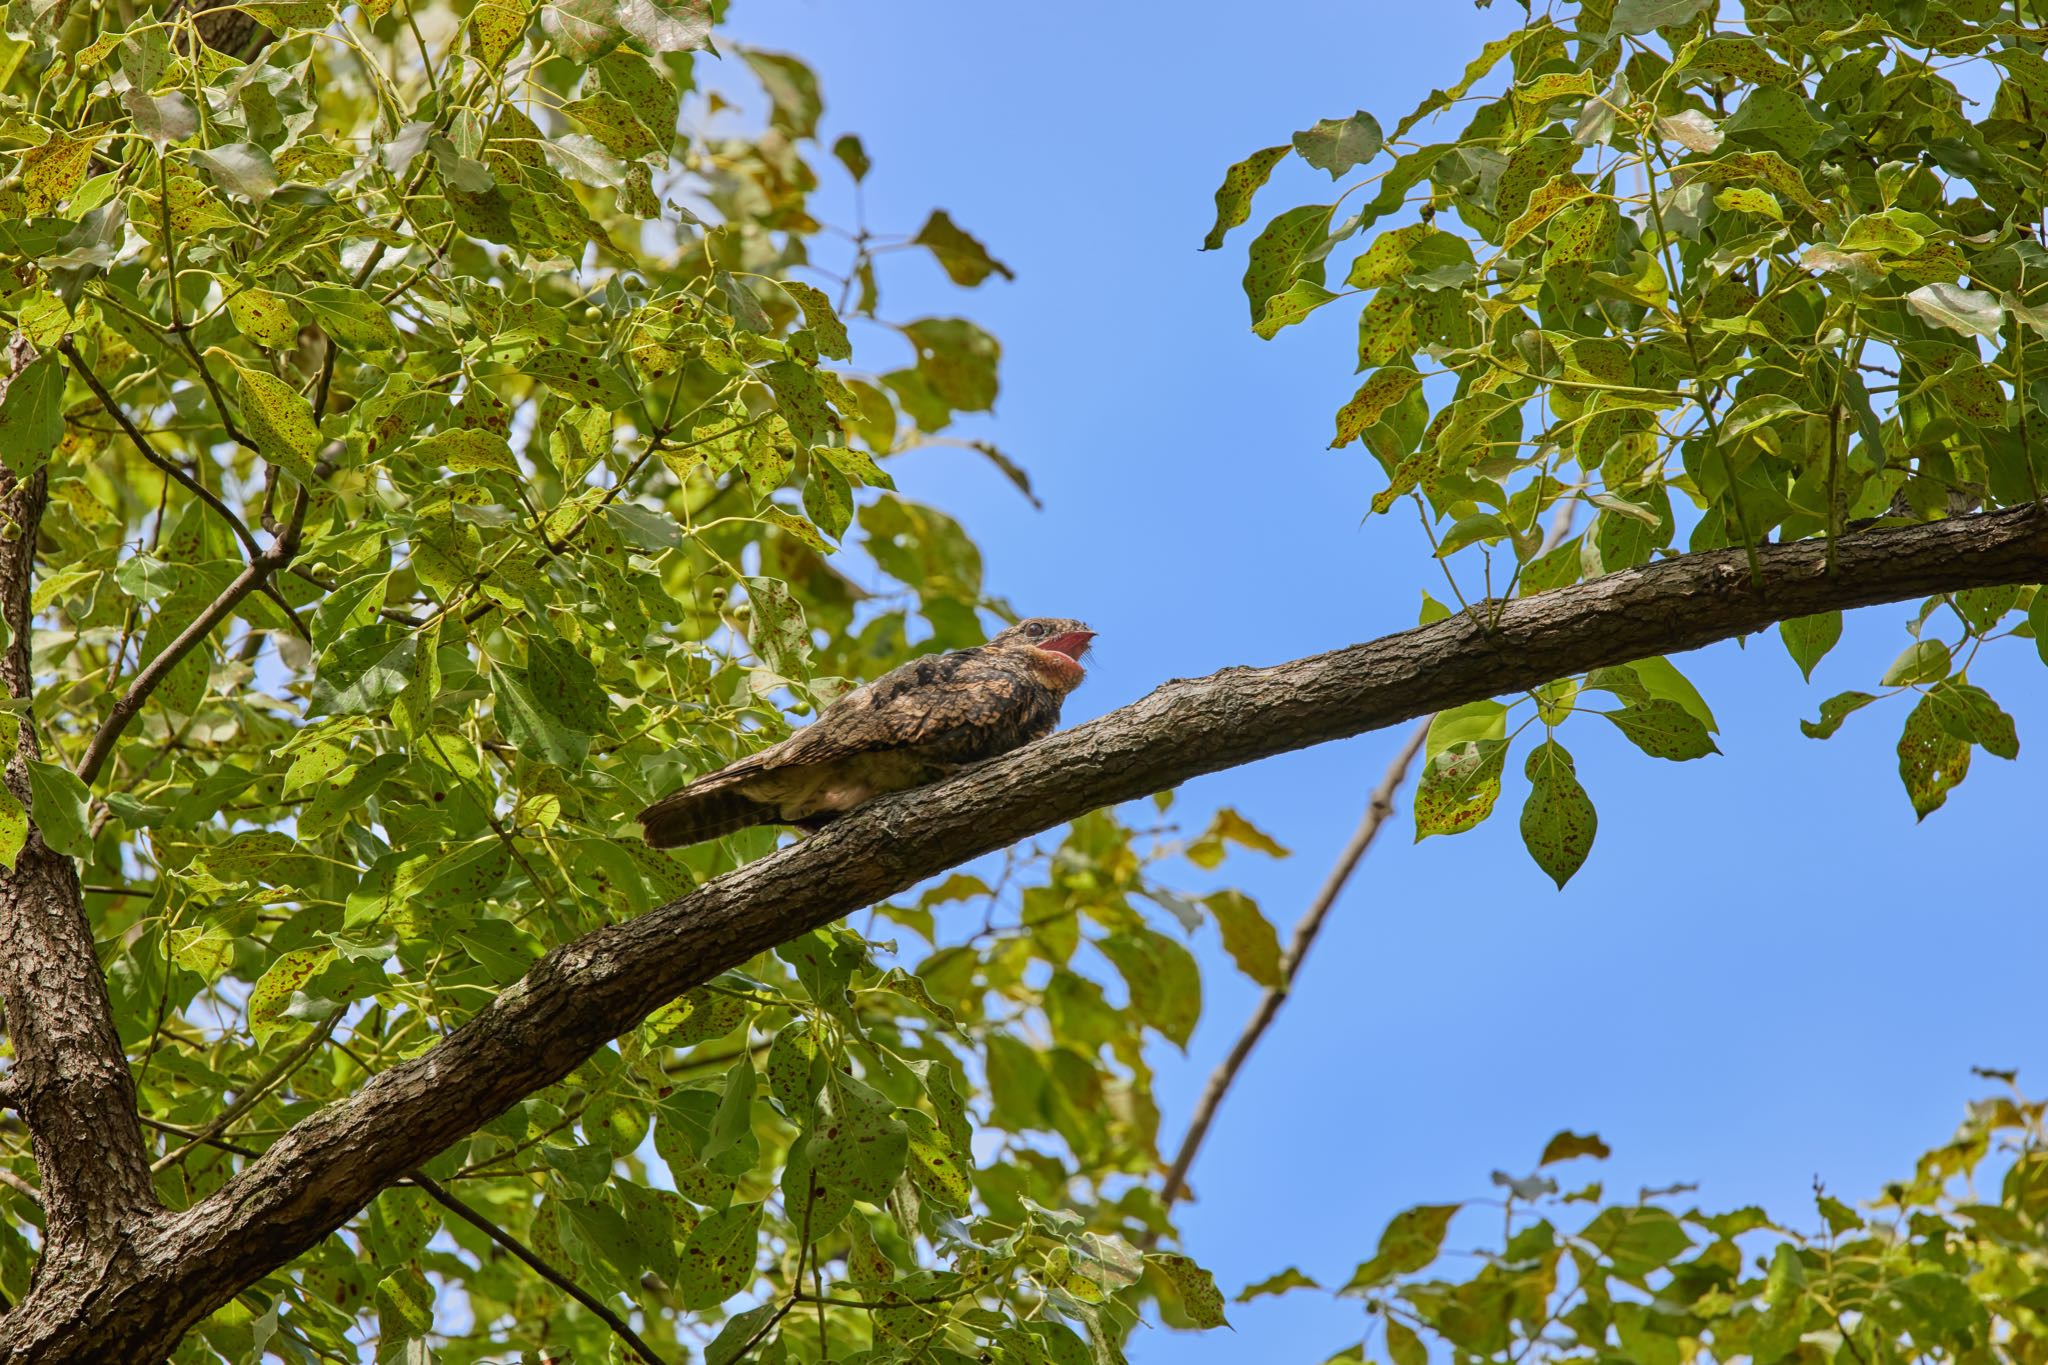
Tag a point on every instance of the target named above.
point(951, 708)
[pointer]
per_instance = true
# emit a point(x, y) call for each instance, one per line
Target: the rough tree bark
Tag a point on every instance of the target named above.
point(70, 1078)
point(174, 1267)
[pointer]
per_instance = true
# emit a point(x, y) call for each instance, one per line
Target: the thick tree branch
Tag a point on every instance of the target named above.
point(585, 993)
point(70, 1076)
point(1378, 810)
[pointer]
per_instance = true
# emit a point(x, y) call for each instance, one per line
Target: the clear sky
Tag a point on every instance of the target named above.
point(1766, 972)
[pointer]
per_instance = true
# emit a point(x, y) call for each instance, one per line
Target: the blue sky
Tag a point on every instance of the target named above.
point(1766, 973)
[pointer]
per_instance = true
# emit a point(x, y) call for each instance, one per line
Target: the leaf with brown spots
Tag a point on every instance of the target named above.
point(263, 317)
point(1196, 1287)
point(1234, 195)
point(278, 417)
point(582, 378)
point(274, 990)
point(1458, 787)
point(717, 1260)
point(1558, 821)
point(859, 1146)
point(1375, 396)
point(52, 172)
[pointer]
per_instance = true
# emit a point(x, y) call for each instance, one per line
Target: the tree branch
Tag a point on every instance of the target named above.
point(1378, 810)
point(70, 1077)
point(585, 993)
point(153, 455)
point(254, 575)
point(440, 1195)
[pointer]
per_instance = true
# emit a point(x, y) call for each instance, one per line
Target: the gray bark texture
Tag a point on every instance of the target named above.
point(137, 1278)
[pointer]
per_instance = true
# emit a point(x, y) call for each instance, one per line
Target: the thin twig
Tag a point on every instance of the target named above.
point(153, 455)
point(436, 1192)
point(249, 1098)
point(1377, 811)
point(253, 574)
point(21, 1187)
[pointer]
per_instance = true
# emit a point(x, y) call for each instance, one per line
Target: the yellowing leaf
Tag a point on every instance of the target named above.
point(263, 317)
point(52, 172)
point(466, 449)
point(278, 418)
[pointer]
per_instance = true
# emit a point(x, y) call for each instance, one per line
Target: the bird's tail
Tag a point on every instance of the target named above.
point(698, 812)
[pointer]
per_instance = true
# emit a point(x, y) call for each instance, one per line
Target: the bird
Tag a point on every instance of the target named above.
point(915, 724)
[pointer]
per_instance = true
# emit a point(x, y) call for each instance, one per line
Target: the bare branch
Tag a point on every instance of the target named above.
point(254, 575)
point(585, 993)
point(155, 456)
point(1378, 810)
point(468, 1214)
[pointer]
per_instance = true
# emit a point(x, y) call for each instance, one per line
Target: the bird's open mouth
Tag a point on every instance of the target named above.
point(1072, 643)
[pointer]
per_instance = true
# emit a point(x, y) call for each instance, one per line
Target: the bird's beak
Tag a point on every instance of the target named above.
point(1072, 643)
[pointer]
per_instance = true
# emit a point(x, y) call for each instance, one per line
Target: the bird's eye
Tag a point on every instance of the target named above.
point(1035, 629)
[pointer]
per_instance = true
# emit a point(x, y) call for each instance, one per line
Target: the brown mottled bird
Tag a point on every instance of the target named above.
point(913, 725)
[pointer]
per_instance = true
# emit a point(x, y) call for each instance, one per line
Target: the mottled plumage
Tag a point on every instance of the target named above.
point(913, 725)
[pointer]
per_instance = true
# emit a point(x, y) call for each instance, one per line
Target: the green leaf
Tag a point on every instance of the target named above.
point(581, 378)
point(1459, 787)
point(734, 1120)
point(1663, 729)
point(1164, 982)
point(405, 1305)
point(32, 415)
point(1290, 1278)
point(1195, 1286)
point(351, 317)
point(859, 1146)
point(819, 316)
point(1405, 254)
point(466, 450)
point(1567, 1146)
point(1923, 661)
point(532, 726)
point(13, 827)
point(1403, 1345)
point(279, 420)
point(1809, 638)
point(964, 259)
point(717, 1260)
point(1284, 310)
point(244, 169)
point(2037, 618)
point(1969, 311)
point(1337, 145)
point(163, 119)
point(1967, 712)
point(1931, 760)
point(1375, 397)
point(1248, 936)
point(57, 802)
point(1558, 821)
point(1410, 1242)
point(1282, 250)
point(362, 671)
point(284, 978)
point(1641, 16)
point(263, 317)
point(1637, 1240)
point(1234, 195)
point(1833, 712)
point(1476, 721)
